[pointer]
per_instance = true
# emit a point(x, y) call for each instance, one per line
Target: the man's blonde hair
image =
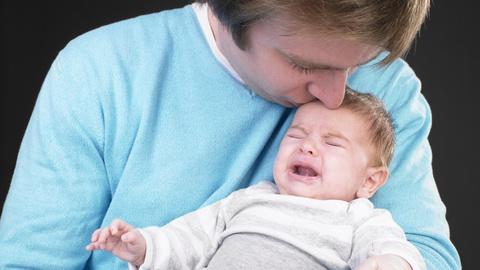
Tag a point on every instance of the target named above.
point(389, 24)
point(381, 128)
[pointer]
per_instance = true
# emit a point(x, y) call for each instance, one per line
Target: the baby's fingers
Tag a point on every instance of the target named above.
point(133, 238)
point(129, 237)
point(95, 235)
point(119, 227)
point(104, 235)
point(92, 246)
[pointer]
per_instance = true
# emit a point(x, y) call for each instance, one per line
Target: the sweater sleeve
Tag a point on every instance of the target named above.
point(378, 234)
point(59, 192)
point(187, 242)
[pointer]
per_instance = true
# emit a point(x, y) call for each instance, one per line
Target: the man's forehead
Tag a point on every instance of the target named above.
point(318, 50)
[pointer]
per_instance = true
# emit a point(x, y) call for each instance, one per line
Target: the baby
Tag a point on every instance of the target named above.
point(316, 216)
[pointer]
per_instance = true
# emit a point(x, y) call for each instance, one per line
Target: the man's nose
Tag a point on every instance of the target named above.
point(329, 87)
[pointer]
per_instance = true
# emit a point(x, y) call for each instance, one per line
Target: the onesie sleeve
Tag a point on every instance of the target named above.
point(187, 242)
point(376, 233)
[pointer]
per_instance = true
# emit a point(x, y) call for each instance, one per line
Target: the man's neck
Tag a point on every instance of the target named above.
point(220, 34)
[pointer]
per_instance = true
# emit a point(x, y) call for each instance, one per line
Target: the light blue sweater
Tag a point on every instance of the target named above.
point(137, 120)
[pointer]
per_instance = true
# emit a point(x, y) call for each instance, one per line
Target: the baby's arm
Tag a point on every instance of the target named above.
point(187, 242)
point(122, 240)
point(387, 261)
point(379, 243)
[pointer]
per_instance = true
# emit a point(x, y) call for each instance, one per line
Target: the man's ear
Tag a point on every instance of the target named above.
point(375, 178)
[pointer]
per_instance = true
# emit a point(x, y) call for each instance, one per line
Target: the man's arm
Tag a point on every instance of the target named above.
point(410, 193)
point(60, 190)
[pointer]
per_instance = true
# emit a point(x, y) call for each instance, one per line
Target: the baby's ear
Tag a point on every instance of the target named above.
point(375, 178)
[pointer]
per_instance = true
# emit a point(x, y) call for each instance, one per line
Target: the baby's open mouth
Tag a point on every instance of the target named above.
point(304, 171)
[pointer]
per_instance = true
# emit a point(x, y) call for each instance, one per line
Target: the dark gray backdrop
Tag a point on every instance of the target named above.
point(444, 57)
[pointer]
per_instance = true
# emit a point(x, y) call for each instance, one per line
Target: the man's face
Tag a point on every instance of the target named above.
point(324, 154)
point(295, 69)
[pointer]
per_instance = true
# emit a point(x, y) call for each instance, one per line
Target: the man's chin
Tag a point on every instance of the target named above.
point(281, 101)
point(288, 103)
point(294, 104)
point(285, 102)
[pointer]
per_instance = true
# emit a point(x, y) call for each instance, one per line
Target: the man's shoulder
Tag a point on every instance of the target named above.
point(145, 33)
point(386, 82)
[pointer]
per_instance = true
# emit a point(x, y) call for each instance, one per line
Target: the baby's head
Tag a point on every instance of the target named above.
point(340, 154)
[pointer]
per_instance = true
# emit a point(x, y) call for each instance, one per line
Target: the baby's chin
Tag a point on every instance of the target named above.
point(296, 190)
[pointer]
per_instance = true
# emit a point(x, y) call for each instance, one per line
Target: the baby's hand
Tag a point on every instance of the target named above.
point(387, 261)
point(122, 240)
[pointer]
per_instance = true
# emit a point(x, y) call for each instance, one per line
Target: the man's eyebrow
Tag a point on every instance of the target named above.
point(311, 65)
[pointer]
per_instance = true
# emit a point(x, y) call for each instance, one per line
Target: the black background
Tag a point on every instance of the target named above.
point(444, 57)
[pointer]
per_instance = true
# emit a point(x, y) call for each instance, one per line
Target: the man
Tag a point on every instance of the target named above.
point(105, 131)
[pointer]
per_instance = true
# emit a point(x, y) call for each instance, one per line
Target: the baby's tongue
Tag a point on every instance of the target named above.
point(306, 171)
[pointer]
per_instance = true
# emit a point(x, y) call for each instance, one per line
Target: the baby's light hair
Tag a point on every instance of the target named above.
point(381, 129)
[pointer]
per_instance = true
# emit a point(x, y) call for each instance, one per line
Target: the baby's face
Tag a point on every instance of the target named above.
point(324, 154)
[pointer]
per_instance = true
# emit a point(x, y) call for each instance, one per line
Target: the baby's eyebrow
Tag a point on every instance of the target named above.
point(336, 135)
point(299, 128)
